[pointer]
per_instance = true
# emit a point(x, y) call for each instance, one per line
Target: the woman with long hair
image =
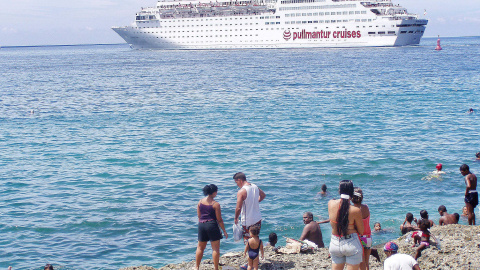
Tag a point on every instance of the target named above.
point(347, 226)
point(366, 238)
point(209, 221)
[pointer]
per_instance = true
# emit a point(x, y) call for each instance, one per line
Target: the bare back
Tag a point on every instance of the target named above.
point(355, 224)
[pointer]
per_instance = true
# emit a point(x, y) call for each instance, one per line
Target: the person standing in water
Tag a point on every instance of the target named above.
point(209, 220)
point(347, 226)
point(471, 194)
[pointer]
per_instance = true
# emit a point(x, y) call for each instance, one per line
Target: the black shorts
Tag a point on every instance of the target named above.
point(472, 198)
point(209, 231)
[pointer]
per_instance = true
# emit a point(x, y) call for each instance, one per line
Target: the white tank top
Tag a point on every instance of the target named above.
point(251, 209)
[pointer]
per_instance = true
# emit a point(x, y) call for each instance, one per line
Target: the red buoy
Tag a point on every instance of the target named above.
point(438, 48)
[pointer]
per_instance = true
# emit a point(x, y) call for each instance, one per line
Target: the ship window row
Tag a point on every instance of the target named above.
point(270, 17)
point(323, 13)
point(318, 7)
point(197, 25)
point(300, 1)
point(267, 23)
point(326, 21)
point(198, 31)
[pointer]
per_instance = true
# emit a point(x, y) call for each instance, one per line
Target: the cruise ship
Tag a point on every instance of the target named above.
point(234, 24)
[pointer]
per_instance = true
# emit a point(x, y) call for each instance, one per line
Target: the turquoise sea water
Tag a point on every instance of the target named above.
point(107, 170)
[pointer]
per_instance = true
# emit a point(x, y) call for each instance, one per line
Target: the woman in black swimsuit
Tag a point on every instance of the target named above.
point(209, 220)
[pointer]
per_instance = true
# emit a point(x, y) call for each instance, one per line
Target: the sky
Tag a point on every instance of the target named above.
point(67, 22)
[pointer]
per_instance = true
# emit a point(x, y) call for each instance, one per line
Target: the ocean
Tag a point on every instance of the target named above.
point(105, 150)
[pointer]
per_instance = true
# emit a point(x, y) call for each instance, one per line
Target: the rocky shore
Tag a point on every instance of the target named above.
point(459, 249)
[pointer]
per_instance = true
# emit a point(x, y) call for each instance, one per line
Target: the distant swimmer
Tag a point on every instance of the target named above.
point(477, 156)
point(323, 193)
point(471, 110)
point(439, 169)
point(435, 174)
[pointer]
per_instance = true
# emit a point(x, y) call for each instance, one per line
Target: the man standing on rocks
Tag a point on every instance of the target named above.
point(397, 261)
point(446, 218)
point(471, 194)
point(248, 204)
point(312, 231)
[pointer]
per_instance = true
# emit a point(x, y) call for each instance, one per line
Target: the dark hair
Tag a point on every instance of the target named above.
point(240, 176)
point(209, 189)
point(309, 214)
point(254, 229)
point(477, 155)
point(442, 208)
point(457, 216)
point(464, 168)
point(324, 187)
point(48, 267)
point(346, 187)
point(424, 214)
point(356, 198)
point(272, 238)
point(409, 217)
point(424, 222)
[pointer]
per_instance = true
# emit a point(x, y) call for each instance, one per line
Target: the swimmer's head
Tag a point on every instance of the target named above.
point(324, 187)
point(439, 167)
point(477, 155)
point(272, 238)
point(377, 226)
point(424, 214)
point(442, 208)
point(409, 217)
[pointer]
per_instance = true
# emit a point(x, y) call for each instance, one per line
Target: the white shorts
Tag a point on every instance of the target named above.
point(346, 249)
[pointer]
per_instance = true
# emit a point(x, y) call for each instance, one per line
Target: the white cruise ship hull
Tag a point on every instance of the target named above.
point(305, 25)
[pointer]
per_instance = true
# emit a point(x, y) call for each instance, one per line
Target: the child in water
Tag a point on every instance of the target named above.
point(422, 237)
point(253, 248)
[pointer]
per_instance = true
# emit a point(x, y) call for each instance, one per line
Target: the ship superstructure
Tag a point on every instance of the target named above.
point(225, 24)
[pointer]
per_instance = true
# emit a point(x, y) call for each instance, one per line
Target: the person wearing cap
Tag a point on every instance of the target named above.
point(439, 169)
point(398, 261)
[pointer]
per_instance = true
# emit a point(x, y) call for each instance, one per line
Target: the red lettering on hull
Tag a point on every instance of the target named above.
point(322, 34)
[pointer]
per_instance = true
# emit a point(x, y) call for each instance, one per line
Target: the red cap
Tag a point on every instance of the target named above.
point(439, 166)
